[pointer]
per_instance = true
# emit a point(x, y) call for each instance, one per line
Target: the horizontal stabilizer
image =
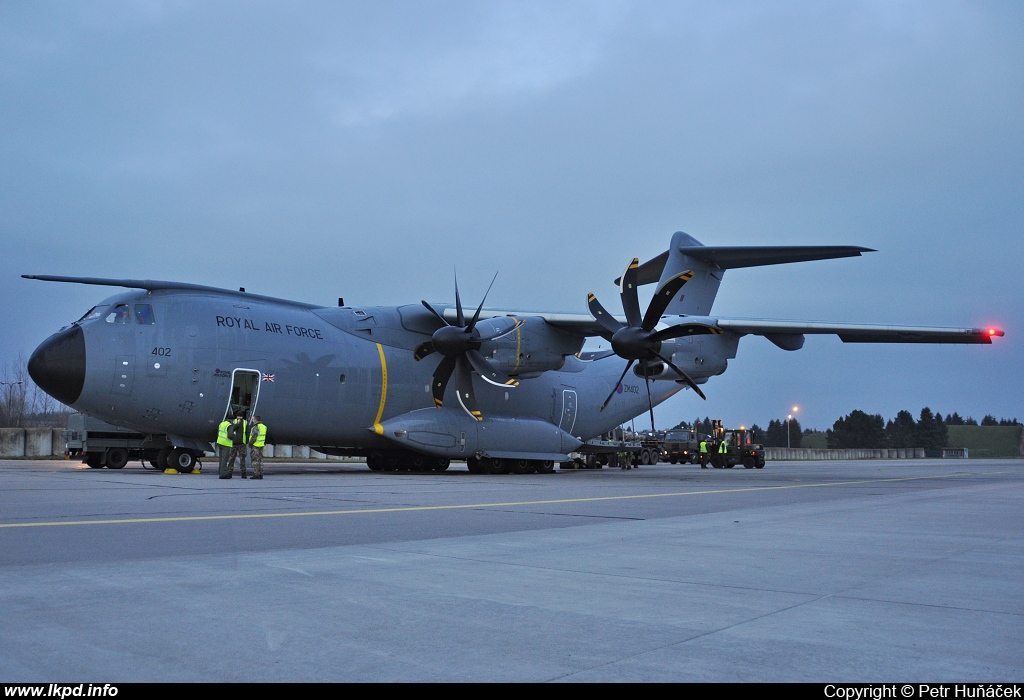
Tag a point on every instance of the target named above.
point(730, 257)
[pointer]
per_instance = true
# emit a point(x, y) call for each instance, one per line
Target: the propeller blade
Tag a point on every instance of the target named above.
point(650, 401)
point(686, 378)
point(662, 298)
point(458, 302)
point(685, 329)
point(616, 387)
point(422, 350)
point(628, 292)
point(431, 310)
point(602, 317)
point(476, 316)
point(440, 380)
point(464, 388)
point(487, 372)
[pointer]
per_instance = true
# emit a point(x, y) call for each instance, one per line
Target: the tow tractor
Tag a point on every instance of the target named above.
point(740, 448)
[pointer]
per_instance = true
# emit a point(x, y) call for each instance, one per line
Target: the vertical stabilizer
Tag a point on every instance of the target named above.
point(698, 295)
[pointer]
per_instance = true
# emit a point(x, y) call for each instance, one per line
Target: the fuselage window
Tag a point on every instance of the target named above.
point(119, 314)
point(94, 312)
point(144, 315)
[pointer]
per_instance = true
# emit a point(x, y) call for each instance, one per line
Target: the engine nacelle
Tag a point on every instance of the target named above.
point(700, 356)
point(534, 347)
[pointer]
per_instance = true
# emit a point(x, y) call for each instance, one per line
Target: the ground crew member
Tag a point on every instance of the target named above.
point(257, 439)
point(240, 450)
point(723, 451)
point(703, 454)
point(224, 448)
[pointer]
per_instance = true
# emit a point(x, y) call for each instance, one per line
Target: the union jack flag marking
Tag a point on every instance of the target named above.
point(268, 377)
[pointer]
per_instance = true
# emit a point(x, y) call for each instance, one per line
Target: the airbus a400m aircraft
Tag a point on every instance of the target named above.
point(171, 359)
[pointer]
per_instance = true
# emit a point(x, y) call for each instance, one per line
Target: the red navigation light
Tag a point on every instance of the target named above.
point(994, 332)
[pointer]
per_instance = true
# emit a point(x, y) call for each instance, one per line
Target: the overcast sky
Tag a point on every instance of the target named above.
point(364, 150)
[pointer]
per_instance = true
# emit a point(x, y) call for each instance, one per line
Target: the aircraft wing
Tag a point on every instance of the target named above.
point(860, 333)
point(584, 324)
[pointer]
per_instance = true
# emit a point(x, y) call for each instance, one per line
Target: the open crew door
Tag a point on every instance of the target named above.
point(245, 391)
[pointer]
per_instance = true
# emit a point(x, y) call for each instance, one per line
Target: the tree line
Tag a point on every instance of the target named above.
point(863, 430)
point(25, 405)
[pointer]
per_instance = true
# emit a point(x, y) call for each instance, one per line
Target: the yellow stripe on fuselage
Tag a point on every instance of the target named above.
point(377, 427)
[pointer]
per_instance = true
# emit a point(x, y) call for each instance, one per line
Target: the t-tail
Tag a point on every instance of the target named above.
point(709, 263)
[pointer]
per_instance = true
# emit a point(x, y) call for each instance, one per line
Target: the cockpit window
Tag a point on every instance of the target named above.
point(94, 312)
point(119, 314)
point(144, 315)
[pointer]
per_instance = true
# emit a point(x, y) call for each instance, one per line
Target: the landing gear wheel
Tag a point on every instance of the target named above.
point(440, 464)
point(419, 463)
point(546, 466)
point(373, 462)
point(523, 466)
point(163, 458)
point(495, 465)
point(182, 460)
point(473, 465)
point(117, 457)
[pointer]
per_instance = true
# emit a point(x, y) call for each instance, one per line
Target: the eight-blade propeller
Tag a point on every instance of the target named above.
point(638, 341)
point(460, 346)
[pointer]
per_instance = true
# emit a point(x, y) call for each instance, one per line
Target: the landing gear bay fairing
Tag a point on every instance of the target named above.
point(423, 383)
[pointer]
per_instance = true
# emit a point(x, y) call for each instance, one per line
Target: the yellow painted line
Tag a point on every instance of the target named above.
point(377, 427)
point(471, 506)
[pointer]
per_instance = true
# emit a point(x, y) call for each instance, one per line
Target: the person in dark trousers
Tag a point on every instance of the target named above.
point(703, 454)
point(239, 434)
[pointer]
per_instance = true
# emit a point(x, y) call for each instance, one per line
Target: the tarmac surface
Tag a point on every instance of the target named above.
point(867, 571)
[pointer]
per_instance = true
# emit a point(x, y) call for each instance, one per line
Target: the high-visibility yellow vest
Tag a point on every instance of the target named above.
point(261, 435)
point(703, 447)
point(245, 433)
point(723, 449)
point(222, 434)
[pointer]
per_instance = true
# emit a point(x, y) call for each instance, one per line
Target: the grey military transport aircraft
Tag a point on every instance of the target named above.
point(171, 359)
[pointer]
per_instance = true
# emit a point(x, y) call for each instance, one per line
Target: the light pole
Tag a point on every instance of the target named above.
point(788, 419)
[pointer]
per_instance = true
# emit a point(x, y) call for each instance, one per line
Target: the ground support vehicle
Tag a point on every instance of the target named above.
point(740, 450)
point(101, 444)
point(682, 446)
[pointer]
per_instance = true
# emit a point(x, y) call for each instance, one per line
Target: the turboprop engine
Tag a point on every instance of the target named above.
point(535, 346)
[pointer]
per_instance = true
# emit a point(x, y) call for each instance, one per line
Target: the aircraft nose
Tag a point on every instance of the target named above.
point(58, 365)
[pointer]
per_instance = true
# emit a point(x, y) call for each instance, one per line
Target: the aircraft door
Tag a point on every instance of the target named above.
point(245, 391)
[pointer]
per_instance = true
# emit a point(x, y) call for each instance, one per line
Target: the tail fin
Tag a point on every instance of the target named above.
point(709, 264)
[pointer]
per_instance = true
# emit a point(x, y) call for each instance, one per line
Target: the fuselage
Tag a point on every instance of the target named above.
point(174, 362)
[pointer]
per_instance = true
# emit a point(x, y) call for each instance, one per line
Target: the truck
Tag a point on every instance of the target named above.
point(682, 445)
point(101, 444)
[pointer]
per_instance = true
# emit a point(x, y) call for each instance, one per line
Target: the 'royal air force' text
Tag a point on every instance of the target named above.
point(268, 327)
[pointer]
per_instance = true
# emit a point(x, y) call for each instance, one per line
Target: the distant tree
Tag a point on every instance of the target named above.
point(779, 434)
point(1008, 421)
point(954, 419)
point(901, 432)
point(756, 433)
point(989, 420)
point(931, 434)
point(858, 430)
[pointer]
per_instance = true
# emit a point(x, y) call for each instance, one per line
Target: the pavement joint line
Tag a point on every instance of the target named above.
point(472, 506)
